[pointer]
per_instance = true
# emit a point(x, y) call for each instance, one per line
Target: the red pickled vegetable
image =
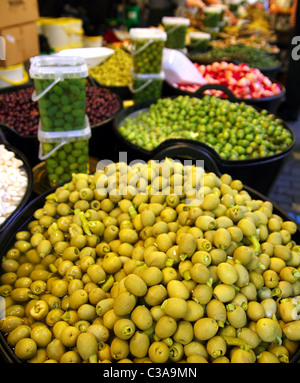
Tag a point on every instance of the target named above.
point(243, 81)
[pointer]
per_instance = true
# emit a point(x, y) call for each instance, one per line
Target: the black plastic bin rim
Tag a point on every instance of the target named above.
point(143, 107)
point(28, 170)
point(231, 94)
point(25, 216)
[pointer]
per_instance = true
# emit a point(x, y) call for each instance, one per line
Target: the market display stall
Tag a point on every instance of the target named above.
point(141, 230)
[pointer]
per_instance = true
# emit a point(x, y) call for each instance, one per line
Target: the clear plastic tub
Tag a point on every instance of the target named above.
point(223, 8)
point(64, 153)
point(60, 91)
point(212, 16)
point(146, 86)
point(234, 5)
point(175, 28)
point(213, 31)
point(147, 49)
point(199, 41)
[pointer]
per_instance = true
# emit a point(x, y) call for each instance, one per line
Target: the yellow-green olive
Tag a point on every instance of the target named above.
point(205, 328)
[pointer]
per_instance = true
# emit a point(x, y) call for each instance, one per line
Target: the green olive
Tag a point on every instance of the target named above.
point(100, 332)
point(87, 312)
point(124, 303)
point(195, 311)
point(282, 252)
point(291, 330)
point(70, 357)
point(175, 307)
point(224, 293)
point(87, 346)
point(202, 293)
point(216, 346)
point(20, 332)
point(41, 335)
point(15, 310)
point(135, 285)
point(267, 357)
point(199, 273)
point(243, 275)
point(268, 329)
point(227, 273)
point(243, 255)
point(96, 273)
point(69, 336)
point(25, 348)
point(206, 222)
point(158, 352)
point(55, 349)
point(165, 327)
point(187, 245)
point(141, 317)
point(205, 328)
point(255, 311)
point(184, 333)
point(40, 310)
point(119, 348)
point(236, 315)
point(249, 336)
point(124, 328)
point(104, 305)
point(222, 238)
point(176, 288)
point(216, 310)
point(239, 355)
point(139, 344)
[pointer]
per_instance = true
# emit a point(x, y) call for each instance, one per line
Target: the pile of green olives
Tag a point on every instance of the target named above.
point(236, 131)
point(114, 71)
point(63, 106)
point(191, 269)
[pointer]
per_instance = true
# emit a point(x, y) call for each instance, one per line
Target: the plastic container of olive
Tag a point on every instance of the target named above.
point(146, 86)
point(212, 16)
point(199, 41)
point(176, 28)
point(60, 91)
point(234, 5)
point(64, 153)
point(213, 31)
point(147, 49)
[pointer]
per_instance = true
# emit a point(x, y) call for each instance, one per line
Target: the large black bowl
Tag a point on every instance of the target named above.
point(260, 173)
point(24, 217)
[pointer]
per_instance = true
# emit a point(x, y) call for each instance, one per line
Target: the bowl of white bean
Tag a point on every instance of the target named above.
point(16, 182)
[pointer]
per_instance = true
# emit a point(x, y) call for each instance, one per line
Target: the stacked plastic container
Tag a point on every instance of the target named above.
point(214, 19)
point(147, 50)
point(199, 41)
point(64, 129)
point(176, 29)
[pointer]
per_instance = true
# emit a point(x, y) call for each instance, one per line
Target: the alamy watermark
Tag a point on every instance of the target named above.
point(184, 179)
point(2, 48)
point(296, 50)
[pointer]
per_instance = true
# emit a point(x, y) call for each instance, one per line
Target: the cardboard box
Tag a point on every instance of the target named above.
point(21, 43)
point(14, 12)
